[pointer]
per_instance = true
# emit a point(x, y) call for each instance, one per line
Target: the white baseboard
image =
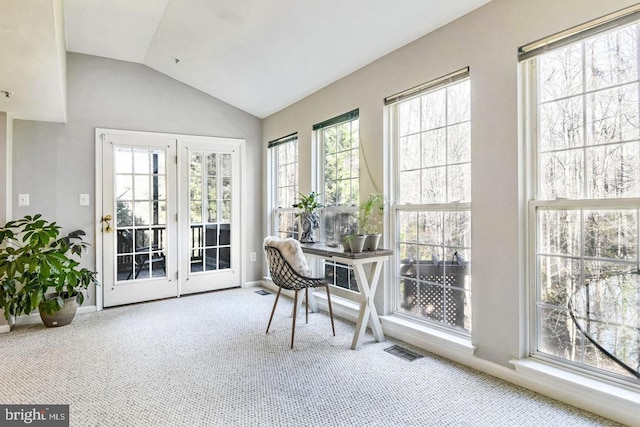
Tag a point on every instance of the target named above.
point(253, 284)
point(4, 329)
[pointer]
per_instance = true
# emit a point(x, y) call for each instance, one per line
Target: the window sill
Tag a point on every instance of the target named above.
point(430, 339)
point(613, 401)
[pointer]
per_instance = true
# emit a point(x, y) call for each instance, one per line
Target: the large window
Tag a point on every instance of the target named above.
point(339, 148)
point(284, 189)
point(584, 211)
point(432, 171)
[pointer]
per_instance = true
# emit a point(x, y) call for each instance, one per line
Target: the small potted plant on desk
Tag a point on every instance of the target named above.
point(309, 219)
point(370, 219)
point(37, 270)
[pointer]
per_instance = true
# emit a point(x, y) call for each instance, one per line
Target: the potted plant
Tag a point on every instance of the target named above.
point(37, 270)
point(309, 219)
point(370, 219)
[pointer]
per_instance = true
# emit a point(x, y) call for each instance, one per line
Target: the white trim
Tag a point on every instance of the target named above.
point(5, 329)
point(254, 284)
point(600, 397)
point(98, 216)
point(431, 339)
point(9, 167)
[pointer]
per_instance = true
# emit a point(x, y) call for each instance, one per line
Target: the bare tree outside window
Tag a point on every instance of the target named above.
point(588, 148)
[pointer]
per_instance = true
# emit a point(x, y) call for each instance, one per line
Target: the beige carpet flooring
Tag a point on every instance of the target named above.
point(205, 360)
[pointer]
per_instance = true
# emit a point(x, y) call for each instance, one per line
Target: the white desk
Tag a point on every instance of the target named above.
point(367, 282)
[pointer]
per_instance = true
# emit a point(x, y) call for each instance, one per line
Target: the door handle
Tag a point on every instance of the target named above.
point(107, 219)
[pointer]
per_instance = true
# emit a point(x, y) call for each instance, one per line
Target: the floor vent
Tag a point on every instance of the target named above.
point(402, 353)
point(263, 292)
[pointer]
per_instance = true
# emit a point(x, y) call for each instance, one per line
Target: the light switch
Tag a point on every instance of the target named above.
point(84, 200)
point(23, 200)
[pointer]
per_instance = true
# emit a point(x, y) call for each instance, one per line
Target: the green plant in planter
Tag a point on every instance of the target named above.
point(308, 203)
point(309, 217)
point(371, 210)
point(34, 261)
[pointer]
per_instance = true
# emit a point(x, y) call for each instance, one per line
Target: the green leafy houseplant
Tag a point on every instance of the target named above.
point(308, 203)
point(309, 218)
point(34, 260)
point(371, 211)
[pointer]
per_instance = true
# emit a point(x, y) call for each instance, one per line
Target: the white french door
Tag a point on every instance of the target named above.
point(170, 215)
point(210, 214)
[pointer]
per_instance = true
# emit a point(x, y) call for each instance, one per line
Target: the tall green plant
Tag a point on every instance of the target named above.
point(35, 260)
point(370, 215)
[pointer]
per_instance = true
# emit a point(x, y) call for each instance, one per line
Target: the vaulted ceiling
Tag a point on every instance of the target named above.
point(257, 55)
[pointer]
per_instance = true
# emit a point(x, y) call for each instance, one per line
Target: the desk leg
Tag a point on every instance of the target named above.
point(368, 312)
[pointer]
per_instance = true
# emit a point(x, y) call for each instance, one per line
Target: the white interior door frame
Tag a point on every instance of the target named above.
point(98, 238)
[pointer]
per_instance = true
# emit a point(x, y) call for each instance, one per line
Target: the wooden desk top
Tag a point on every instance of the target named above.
point(323, 250)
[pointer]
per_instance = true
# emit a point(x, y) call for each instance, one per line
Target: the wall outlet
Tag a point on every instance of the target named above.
point(84, 200)
point(252, 256)
point(23, 200)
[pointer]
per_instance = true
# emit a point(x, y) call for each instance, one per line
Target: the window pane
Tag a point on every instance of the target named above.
point(434, 188)
point(612, 115)
point(434, 148)
point(459, 183)
point(612, 58)
point(341, 164)
point(613, 171)
point(124, 187)
point(611, 234)
point(434, 109)
point(458, 103)
point(123, 162)
point(409, 152)
point(459, 147)
point(560, 73)
point(562, 175)
point(560, 232)
point(409, 117)
point(561, 124)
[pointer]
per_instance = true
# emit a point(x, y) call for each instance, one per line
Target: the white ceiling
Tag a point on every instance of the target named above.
point(257, 55)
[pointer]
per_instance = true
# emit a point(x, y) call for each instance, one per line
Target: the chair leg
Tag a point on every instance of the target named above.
point(330, 310)
point(306, 304)
point(274, 308)
point(295, 312)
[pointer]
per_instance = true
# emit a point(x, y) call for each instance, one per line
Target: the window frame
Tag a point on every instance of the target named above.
point(274, 166)
point(343, 291)
point(535, 204)
point(396, 208)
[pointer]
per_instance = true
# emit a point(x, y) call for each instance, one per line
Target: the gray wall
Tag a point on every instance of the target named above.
point(55, 162)
point(486, 40)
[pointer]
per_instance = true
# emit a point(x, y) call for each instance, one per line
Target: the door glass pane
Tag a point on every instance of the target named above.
point(123, 161)
point(124, 215)
point(142, 179)
point(211, 261)
point(210, 210)
point(124, 187)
